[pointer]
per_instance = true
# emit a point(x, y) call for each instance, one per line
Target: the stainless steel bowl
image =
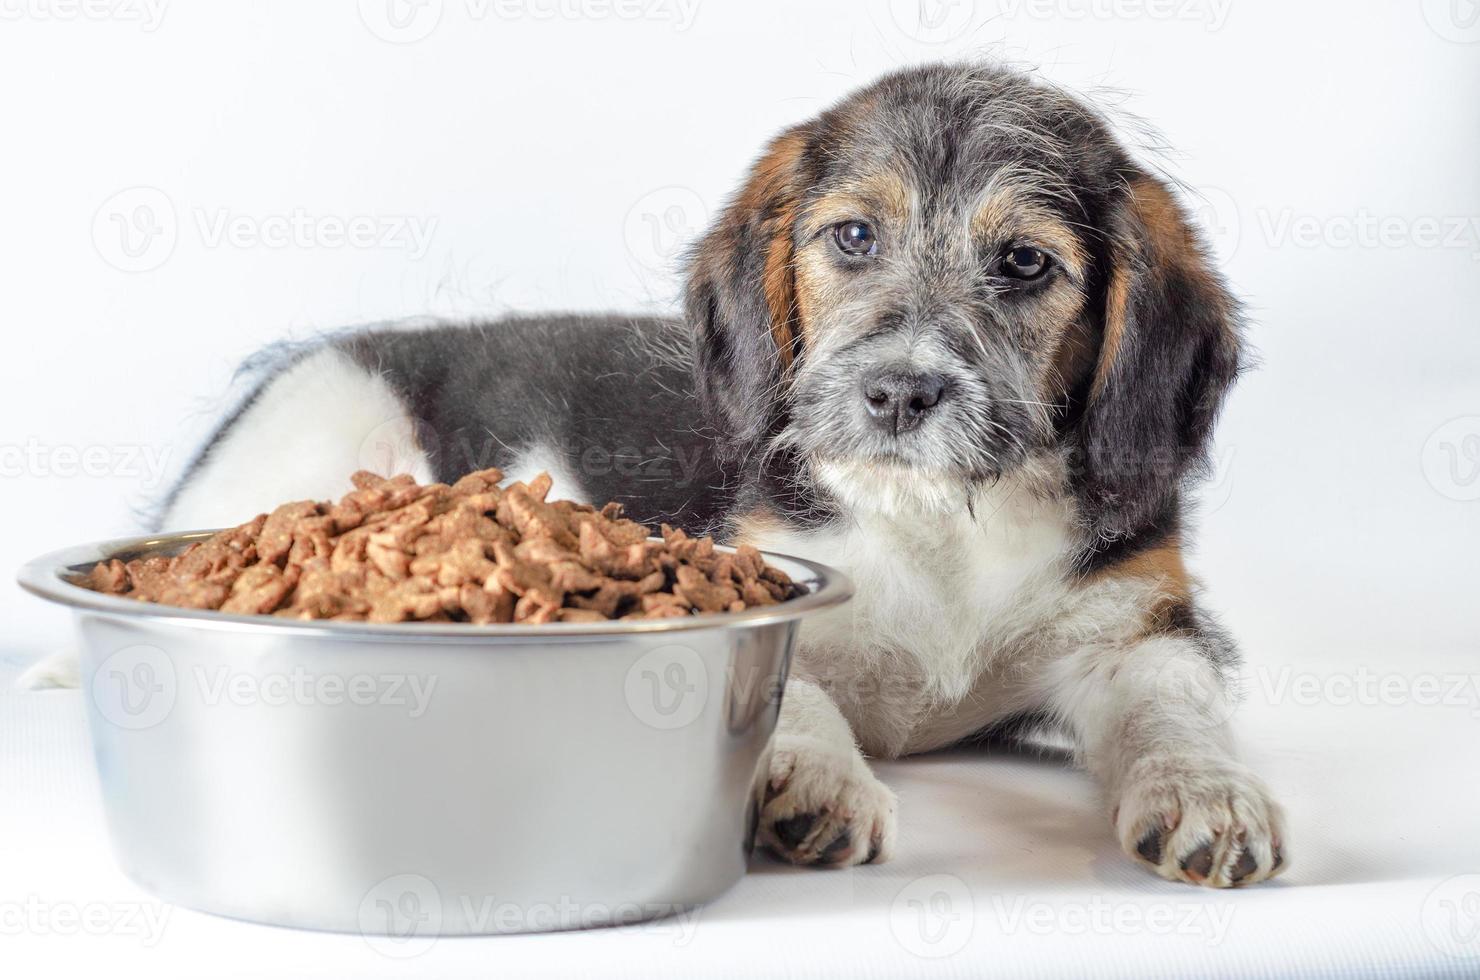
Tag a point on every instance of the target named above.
point(416, 780)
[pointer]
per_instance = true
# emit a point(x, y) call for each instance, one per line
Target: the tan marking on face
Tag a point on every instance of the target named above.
point(1117, 296)
point(771, 195)
point(1161, 568)
point(1007, 213)
point(882, 197)
point(1169, 246)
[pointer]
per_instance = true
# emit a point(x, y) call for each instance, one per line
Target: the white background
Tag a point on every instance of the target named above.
point(558, 158)
point(559, 153)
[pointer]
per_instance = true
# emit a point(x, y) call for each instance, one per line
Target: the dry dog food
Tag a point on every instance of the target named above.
point(477, 552)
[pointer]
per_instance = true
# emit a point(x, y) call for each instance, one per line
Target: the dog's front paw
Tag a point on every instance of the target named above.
point(824, 807)
point(1208, 823)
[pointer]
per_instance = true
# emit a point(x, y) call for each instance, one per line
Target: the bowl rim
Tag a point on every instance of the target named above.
point(44, 576)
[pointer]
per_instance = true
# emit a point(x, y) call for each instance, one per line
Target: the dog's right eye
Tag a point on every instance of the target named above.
point(856, 238)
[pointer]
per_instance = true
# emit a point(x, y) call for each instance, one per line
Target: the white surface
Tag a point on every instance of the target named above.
point(538, 162)
point(1009, 856)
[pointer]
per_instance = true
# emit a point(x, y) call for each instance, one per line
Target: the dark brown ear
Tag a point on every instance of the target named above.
point(1170, 350)
point(740, 299)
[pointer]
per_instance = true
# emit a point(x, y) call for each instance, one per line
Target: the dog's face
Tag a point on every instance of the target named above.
point(948, 273)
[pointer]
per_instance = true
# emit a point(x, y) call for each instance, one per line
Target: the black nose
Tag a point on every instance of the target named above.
point(898, 400)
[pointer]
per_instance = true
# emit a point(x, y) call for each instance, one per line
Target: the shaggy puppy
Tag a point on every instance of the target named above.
point(948, 337)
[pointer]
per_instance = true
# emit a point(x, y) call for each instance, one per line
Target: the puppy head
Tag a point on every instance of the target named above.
point(951, 274)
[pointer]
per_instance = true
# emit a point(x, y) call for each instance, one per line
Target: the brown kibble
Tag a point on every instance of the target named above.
point(477, 552)
point(260, 589)
point(702, 594)
point(277, 530)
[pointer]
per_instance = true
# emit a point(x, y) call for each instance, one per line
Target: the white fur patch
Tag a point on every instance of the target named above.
point(315, 424)
point(943, 589)
point(539, 459)
point(943, 595)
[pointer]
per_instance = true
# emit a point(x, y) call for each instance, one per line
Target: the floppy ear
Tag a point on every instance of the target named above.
point(740, 299)
point(1169, 351)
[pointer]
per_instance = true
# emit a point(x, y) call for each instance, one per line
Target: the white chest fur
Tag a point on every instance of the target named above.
point(942, 594)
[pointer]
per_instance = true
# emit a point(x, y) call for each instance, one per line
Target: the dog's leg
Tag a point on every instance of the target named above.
point(1151, 722)
point(823, 804)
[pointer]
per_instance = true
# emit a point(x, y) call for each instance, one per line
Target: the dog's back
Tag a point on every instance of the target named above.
point(604, 403)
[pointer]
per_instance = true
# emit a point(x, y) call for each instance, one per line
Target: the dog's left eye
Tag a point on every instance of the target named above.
point(856, 238)
point(1024, 262)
